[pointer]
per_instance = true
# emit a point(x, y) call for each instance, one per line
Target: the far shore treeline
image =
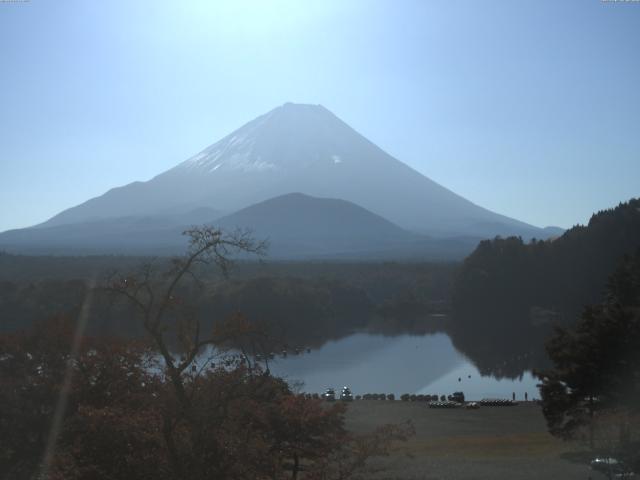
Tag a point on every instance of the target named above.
point(302, 303)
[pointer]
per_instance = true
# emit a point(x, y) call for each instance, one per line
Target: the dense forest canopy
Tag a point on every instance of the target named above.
point(508, 294)
point(304, 303)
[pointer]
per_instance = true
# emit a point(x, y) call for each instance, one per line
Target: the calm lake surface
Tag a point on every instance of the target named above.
point(368, 363)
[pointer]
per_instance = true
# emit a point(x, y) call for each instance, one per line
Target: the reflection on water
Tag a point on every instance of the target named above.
point(402, 364)
point(475, 387)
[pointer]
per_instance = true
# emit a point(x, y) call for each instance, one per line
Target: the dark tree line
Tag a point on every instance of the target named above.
point(305, 304)
point(508, 295)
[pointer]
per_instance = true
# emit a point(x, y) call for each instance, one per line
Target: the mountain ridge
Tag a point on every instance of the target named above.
point(306, 148)
point(296, 225)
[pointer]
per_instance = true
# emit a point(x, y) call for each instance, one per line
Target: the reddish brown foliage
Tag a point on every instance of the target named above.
point(77, 408)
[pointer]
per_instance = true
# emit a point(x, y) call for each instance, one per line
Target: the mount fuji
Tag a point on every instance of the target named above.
point(293, 148)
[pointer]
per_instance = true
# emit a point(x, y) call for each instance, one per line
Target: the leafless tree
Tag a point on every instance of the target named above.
point(154, 295)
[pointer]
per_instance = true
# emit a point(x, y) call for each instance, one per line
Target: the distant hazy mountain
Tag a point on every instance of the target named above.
point(307, 149)
point(296, 226)
point(300, 225)
point(157, 234)
point(125, 235)
point(550, 232)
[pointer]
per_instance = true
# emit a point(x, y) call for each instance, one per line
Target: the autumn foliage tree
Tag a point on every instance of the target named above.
point(53, 397)
point(181, 404)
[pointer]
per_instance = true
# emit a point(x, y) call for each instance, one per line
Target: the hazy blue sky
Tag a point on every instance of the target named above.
point(528, 108)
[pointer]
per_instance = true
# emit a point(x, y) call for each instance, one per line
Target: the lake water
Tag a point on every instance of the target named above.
point(400, 364)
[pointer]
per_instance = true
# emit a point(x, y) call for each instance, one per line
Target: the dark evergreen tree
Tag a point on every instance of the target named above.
point(595, 380)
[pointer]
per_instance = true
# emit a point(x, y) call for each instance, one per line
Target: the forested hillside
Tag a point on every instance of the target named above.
point(508, 294)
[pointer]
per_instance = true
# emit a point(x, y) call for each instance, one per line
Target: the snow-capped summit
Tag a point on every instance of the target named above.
point(299, 148)
point(289, 137)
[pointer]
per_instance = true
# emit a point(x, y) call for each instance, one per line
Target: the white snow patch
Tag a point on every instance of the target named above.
point(234, 152)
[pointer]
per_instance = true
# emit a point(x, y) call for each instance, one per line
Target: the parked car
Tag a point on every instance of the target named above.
point(445, 404)
point(497, 402)
point(346, 395)
point(472, 405)
point(611, 468)
point(329, 395)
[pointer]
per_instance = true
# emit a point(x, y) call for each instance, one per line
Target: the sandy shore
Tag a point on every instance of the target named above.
point(491, 443)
